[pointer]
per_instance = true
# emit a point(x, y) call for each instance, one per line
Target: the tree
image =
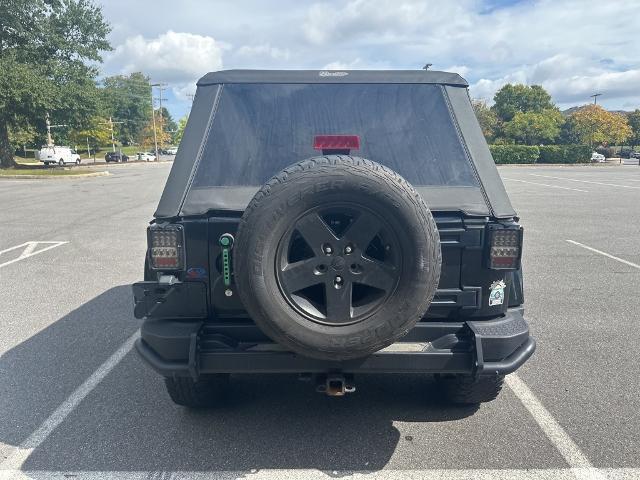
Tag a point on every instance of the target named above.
point(97, 132)
point(593, 124)
point(486, 117)
point(127, 99)
point(634, 122)
point(169, 125)
point(182, 123)
point(46, 47)
point(534, 128)
point(511, 99)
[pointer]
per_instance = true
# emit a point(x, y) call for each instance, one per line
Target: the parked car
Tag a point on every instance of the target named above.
point(57, 154)
point(116, 157)
point(172, 151)
point(146, 156)
point(280, 246)
point(598, 157)
point(634, 154)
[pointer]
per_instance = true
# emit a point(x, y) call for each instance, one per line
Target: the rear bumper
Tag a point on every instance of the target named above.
point(191, 348)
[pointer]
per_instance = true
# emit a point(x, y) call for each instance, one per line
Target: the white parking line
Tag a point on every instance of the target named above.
point(28, 251)
point(595, 250)
point(584, 181)
point(17, 458)
point(309, 474)
point(544, 184)
point(579, 463)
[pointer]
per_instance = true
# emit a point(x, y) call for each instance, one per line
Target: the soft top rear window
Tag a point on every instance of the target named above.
point(259, 129)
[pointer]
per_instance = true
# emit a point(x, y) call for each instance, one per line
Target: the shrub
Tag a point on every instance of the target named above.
point(514, 153)
point(564, 154)
point(606, 151)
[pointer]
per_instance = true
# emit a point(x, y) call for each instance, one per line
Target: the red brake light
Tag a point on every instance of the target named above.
point(166, 247)
point(505, 249)
point(336, 142)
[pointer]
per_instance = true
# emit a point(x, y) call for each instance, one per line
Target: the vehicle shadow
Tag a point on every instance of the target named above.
point(128, 422)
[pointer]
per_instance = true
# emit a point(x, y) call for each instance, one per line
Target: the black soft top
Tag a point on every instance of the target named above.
point(186, 193)
point(332, 76)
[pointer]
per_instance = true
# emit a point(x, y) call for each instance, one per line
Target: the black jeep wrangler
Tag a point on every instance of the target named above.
point(333, 223)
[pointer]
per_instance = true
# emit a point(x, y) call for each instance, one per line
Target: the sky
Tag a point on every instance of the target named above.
point(573, 48)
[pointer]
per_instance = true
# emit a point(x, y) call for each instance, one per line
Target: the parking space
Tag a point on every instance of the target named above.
point(77, 401)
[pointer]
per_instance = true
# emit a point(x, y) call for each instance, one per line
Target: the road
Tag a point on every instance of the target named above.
point(77, 401)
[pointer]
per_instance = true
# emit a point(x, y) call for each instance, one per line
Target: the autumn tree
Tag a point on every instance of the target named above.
point(48, 49)
point(593, 124)
point(97, 133)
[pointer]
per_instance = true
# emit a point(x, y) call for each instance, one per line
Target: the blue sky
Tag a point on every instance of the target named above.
point(573, 48)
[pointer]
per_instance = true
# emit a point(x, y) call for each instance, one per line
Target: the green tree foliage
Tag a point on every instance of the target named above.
point(634, 122)
point(97, 132)
point(486, 117)
point(512, 99)
point(127, 99)
point(182, 123)
point(534, 128)
point(169, 126)
point(46, 47)
point(592, 125)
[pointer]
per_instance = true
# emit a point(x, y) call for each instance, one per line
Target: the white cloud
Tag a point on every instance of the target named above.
point(263, 50)
point(569, 80)
point(171, 57)
point(571, 47)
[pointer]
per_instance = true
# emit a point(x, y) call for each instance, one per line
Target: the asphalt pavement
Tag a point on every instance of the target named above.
point(75, 400)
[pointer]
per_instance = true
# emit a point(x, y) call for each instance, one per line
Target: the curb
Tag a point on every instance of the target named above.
point(49, 177)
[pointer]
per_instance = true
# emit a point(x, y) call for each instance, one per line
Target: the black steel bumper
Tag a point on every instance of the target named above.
point(193, 346)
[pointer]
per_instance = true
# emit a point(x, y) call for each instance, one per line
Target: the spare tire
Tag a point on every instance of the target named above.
point(336, 257)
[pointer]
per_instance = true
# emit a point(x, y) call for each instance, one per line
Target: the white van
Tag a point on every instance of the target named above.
point(59, 155)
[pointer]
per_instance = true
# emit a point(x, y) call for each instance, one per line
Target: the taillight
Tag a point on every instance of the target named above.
point(506, 249)
point(166, 247)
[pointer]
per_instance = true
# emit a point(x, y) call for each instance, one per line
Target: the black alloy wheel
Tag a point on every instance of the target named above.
point(338, 264)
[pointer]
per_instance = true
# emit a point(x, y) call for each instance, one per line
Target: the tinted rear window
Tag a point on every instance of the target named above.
point(261, 128)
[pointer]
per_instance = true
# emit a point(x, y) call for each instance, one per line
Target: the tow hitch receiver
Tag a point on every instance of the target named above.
point(335, 384)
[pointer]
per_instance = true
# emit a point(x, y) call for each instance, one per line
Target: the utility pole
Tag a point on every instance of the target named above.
point(191, 96)
point(426, 67)
point(153, 118)
point(160, 88)
point(49, 139)
point(595, 98)
point(49, 127)
point(110, 123)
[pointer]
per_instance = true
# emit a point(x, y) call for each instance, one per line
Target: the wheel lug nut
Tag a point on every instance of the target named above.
point(338, 279)
point(348, 249)
point(327, 249)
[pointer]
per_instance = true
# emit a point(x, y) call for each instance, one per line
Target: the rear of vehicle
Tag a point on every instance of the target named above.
point(145, 156)
point(332, 224)
point(115, 157)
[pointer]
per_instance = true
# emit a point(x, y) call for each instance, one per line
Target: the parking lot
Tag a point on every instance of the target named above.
point(76, 400)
